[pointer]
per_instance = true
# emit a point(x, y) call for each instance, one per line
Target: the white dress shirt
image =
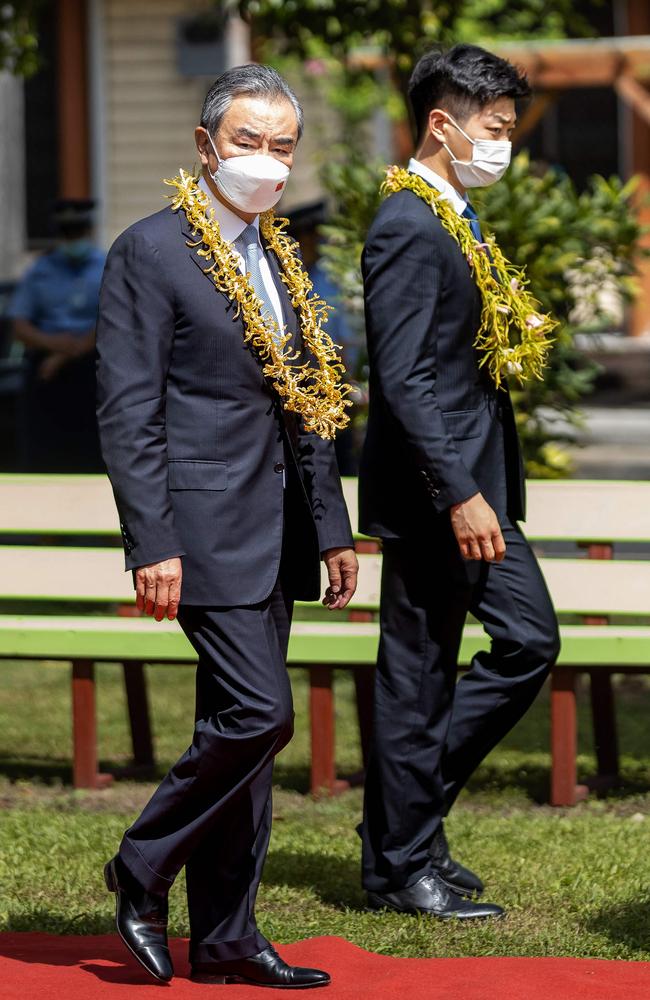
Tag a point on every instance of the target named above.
point(446, 189)
point(231, 226)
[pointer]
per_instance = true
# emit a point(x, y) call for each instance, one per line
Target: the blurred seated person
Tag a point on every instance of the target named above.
point(304, 224)
point(54, 311)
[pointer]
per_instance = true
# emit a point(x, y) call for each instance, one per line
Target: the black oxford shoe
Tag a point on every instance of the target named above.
point(264, 969)
point(432, 897)
point(455, 876)
point(141, 920)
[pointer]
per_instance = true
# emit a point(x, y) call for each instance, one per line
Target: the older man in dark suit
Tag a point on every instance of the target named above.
point(227, 501)
point(441, 482)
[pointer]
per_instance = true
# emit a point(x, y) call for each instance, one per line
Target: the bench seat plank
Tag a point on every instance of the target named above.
point(345, 643)
point(578, 586)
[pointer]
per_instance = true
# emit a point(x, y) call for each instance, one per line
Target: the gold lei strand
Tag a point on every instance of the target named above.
point(315, 391)
point(514, 336)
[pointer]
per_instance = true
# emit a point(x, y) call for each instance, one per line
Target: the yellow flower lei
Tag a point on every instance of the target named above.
point(513, 336)
point(314, 391)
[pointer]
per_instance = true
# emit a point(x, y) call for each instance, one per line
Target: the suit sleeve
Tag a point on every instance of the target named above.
point(320, 472)
point(402, 281)
point(135, 332)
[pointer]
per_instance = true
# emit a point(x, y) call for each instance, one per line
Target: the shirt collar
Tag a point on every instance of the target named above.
point(446, 189)
point(230, 224)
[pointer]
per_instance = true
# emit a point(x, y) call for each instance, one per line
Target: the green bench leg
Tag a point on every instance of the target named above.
point(84, 728)
point(135, 686)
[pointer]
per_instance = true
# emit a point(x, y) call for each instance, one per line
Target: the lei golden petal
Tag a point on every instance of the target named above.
point(308, 382)
point(514, 336)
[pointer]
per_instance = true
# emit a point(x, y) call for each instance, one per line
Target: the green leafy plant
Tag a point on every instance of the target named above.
point(18, 37)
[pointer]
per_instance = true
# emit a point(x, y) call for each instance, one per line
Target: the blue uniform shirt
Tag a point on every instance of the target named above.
point(58, 295)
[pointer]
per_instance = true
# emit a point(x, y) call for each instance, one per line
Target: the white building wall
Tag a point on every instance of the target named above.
point(12, 177)
point(150, 110)
point(144, 112)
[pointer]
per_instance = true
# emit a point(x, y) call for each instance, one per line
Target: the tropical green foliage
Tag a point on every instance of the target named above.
point(574, 247)
point(578, 250)
point(356, 35)
point(18, 37)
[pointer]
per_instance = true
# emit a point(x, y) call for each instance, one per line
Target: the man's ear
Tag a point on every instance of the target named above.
point(437, 119)
point(202, 144)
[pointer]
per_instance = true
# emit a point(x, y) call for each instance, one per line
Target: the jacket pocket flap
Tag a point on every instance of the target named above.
point(463, 423)
point(185, 474)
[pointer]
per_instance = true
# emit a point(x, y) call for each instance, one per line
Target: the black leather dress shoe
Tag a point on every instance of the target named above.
point(454, 875)
point(264, 969)
point(141, 920)
point(432, 897)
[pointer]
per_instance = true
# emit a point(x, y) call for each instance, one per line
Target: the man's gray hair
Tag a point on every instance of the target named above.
point(252, 80)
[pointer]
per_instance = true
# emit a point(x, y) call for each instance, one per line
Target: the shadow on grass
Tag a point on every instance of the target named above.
point(532, 781)
point(334, 880)
point(59, 772)
point(626, 923)
point(46, 922)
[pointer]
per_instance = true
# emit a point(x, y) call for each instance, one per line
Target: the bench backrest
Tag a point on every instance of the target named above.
point(39, 511)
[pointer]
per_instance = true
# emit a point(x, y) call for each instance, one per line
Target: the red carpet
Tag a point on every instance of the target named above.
point(45, 967)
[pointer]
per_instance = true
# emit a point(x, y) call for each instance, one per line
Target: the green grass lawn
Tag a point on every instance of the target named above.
point(574, 882)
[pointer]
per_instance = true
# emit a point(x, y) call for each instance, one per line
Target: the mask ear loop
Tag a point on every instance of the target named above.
point(219, 160)
point(465, 163)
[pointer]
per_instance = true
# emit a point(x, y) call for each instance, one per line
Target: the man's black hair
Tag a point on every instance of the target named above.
point(462, 80)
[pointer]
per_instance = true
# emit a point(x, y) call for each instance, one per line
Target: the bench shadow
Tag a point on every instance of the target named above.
point(625, 923)
point(334, 880)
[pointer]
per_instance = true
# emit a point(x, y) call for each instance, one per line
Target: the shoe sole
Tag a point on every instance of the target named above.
point(112, 885)
point(373, 907)
point(242, 981)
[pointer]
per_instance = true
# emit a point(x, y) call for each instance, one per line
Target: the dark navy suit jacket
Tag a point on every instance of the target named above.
point(438, 430)
point(197, 446)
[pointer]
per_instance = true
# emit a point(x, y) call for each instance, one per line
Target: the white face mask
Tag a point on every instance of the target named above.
point(490, 160)
point(252, 183)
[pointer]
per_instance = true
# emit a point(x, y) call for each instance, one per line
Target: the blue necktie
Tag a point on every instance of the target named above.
point(474, 225)
point(248, 243)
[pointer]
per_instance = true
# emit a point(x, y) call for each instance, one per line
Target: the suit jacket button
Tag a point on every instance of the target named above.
point(278, 467)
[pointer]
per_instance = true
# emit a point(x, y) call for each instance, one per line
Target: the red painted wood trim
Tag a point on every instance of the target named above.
point(72, 109)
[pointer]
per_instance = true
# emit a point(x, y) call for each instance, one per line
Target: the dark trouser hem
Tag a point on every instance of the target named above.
point(146, 876)
point(372, 883)
point(205, 953)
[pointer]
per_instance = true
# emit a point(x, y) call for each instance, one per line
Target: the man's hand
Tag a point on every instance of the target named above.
point(158, 588)
point(50, 366)
point(477, 530)
point(342, 570)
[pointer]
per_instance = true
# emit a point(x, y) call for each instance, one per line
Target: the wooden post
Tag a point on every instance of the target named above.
point(605, 732)
point(321, 714)
point(564, 739)
point(603, 709)
point(74, 142)
point(135, 685)
point(84, 728)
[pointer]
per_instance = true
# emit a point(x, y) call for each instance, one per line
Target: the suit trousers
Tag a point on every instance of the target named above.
point(430, 731)
point(212, 811)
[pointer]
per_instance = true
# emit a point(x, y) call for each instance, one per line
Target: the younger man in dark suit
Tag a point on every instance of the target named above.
point(442, 484)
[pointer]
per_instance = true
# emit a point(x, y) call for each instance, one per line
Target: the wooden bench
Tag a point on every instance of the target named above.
point(60, 548)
